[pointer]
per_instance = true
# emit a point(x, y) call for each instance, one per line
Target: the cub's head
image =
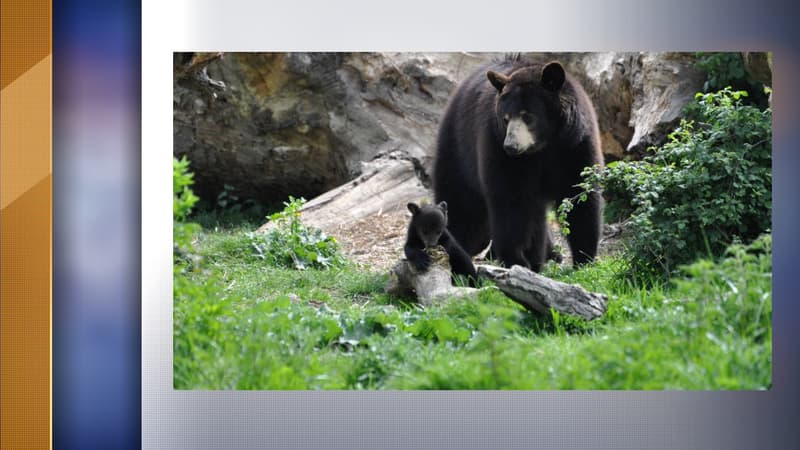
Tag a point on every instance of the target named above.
point(528, 106)
point(428, 221)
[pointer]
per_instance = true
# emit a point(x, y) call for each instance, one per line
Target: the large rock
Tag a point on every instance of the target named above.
point(267, 132)
point(274, 124)
point(759, 66)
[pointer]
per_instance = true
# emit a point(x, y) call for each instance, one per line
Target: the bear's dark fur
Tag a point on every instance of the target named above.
point(512, 143)
point(428, 228)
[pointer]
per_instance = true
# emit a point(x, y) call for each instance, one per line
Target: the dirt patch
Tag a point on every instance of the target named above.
point(376, 242)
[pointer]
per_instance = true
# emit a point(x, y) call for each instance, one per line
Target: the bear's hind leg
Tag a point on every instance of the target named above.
point(467, 224)
point(517, 234)
point(585, 222)
point(550, 254)
point(540, 245)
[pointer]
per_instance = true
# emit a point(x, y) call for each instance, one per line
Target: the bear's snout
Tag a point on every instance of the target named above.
point(519, 138)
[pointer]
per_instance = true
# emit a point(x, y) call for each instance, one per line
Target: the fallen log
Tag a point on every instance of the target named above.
point(385, 186)
point(533, 291)
point(539, 293)
point(429, 287)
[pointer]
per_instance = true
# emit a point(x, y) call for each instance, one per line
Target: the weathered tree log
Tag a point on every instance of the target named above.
point(531, 290)
point(429, 287)
point(386, 185)
point(539, 293)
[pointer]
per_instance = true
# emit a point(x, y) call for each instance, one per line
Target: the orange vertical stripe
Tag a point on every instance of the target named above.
point(25, 224)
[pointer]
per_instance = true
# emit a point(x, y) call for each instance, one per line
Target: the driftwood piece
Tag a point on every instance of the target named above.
point(429, 287)
point(539, 293)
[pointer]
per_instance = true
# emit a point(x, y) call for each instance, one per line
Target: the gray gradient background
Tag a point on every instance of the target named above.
point(483, 419)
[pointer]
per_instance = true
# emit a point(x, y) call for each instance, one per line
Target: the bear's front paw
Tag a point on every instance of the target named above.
point(555, 255)
point(420, 261)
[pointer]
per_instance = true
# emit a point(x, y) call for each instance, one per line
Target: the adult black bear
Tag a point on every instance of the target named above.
point(428, 228)
point(512, 143)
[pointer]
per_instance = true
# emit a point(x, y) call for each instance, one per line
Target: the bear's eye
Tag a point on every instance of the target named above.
point(526, 116)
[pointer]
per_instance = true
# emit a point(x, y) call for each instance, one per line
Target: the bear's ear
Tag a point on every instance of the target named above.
point(413, 207)
point(498, 80)
point(553, 76)
point(443, 206)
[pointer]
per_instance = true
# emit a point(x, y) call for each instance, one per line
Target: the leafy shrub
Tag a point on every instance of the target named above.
point(292, 244)
point(722, 69)
point(709, 184)
point(726, 69)
point(183, 199)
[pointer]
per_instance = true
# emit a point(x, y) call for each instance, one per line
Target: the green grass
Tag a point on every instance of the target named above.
point(230, 219)
point(240, 324)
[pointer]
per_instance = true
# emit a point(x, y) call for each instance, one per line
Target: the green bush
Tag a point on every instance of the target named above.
point(183, 199)
point(294, 245)
point(722, 70)
point(726, 69)
point(710, 184)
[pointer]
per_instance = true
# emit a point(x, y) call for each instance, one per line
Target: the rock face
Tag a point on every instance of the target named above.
point(302, 123)
point(759, 66)
point(267, 132)
point(273, 124)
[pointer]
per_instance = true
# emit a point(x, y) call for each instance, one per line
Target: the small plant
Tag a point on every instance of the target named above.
point(292, 244)
point(566, 206)
point(711, 183)
point(231, 204)
point(227, 198)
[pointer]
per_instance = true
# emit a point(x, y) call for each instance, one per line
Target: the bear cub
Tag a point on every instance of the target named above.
point(428, 228)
